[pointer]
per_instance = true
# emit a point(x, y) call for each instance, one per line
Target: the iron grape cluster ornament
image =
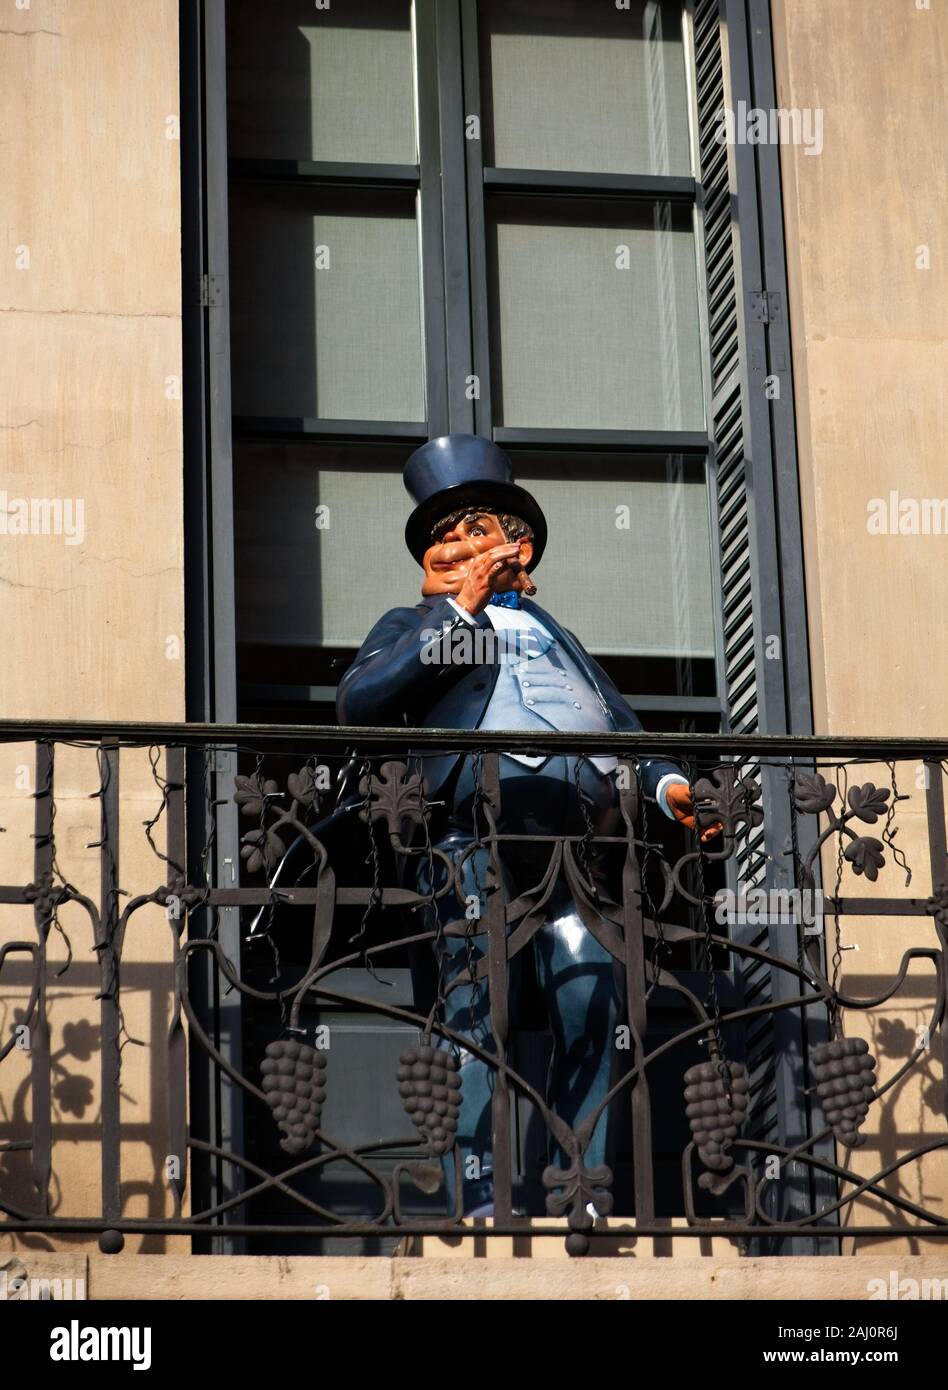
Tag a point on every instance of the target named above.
point(715, 1110)
point(845, 1072)
point(294, 1079)
point(430, 1088)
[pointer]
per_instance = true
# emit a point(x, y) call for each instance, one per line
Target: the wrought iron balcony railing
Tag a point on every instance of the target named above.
point(745, 1070)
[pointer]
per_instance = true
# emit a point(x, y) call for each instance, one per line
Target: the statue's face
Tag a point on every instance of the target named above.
point(448, 559)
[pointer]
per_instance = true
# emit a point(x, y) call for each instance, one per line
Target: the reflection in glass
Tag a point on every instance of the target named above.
point(325, 305)
point(311, 577)
point(594, 316)
point(628, 562)
point(582, 87)
point(333, 83)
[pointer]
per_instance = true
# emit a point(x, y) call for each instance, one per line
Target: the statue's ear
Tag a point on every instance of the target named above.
point(526, 550)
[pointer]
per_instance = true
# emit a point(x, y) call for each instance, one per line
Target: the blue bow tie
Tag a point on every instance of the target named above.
point(508, 600)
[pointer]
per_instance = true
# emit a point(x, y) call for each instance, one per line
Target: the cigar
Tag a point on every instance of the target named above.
point(529, 588)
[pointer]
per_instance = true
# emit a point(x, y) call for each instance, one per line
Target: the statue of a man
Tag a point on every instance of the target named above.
point(477, 653)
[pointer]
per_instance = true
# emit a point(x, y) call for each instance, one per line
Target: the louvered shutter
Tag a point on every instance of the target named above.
point(762, 606)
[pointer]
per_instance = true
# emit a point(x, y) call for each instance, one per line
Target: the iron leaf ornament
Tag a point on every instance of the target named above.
point(869, 802)
point(865, 855)
point(812, 793)
point(727, 798)
point(393, 797)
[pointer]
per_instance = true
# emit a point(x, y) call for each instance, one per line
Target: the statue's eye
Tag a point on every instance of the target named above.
point(476, 529)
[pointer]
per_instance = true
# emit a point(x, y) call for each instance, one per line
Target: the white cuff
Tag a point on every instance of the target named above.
point(468, 617)
point(671, 779)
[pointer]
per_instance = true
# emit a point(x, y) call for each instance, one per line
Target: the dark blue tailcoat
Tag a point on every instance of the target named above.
point(390, 683)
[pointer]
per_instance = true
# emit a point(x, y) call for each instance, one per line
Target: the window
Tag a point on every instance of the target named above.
point(509, 217)
point(475, 217)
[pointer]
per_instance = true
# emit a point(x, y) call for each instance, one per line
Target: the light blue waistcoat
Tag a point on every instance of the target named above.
point(539, 687)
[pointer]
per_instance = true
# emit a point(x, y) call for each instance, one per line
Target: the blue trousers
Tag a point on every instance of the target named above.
point(574, 972)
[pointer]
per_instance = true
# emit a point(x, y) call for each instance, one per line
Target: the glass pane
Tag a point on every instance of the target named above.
point(308, 518)
point(334, 83)
point(594, 317)
point(321, 551)
point(571, 85)
point(320, 577)
point(325, 305)
point(628, 562)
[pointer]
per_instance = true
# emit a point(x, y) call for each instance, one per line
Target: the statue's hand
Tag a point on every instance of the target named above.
point(682, 806)
point(495, 571)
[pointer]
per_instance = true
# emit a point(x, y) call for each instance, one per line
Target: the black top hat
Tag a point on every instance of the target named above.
point(460, 470)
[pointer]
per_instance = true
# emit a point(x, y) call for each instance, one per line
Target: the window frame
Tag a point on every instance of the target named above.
point(452, 223)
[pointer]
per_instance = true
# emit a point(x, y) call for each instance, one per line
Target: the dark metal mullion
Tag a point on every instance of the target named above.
point(304, 428)
point(221, 490)
point(457, 303)
point(676, 704)
point(223, 1112)
point(796, 655)
point(197, 547)
point(670, 188)
point(432, 225)
point(625, 441)
point(327, 172)
point(476, 222)
point(787, 518)
point(668, 704)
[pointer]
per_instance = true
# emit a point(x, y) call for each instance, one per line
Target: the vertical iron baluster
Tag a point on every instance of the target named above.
point(177, 1041)
point(497, 982)
point(42, 1117)
point(108, 947)
point(633, 928)
point(938, 850)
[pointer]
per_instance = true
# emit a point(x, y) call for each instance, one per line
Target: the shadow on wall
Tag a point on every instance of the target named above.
point(75, 1056)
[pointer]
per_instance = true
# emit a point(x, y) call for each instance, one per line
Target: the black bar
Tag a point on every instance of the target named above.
point(499, 740)
point(626, 441)
point(328, 172)
point(636, 983)
point(522, 1228)
point(326, 694)
point(177, 1090)
point(290, 428)
point(109, 948)
point(476, 232)
point(665, 188)
point(457, 296)
point(40, 1060)
point(432, 223)
point(498, 983)
point(218, 521)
